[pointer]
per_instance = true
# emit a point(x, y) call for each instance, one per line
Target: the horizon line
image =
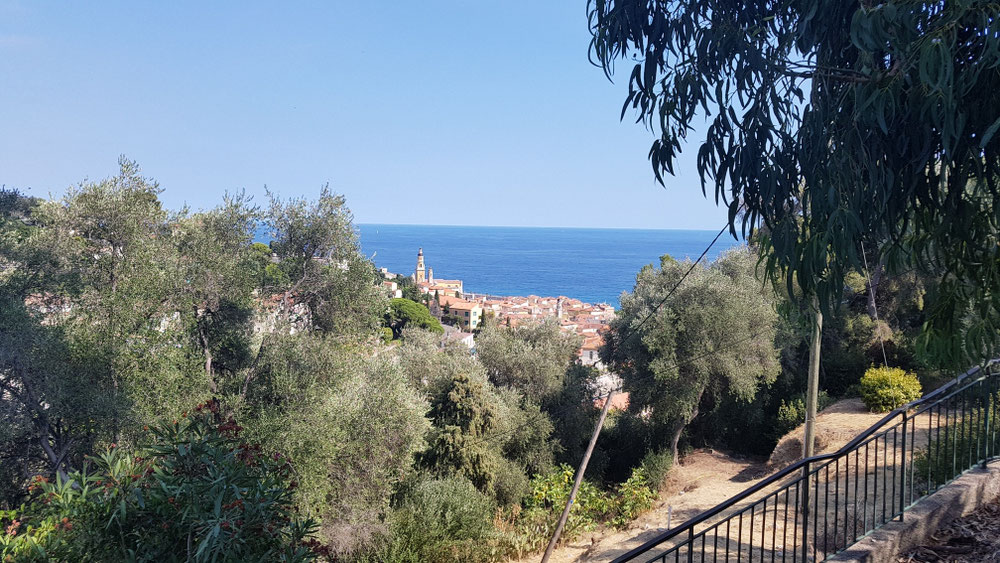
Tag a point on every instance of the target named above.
point(533, 227)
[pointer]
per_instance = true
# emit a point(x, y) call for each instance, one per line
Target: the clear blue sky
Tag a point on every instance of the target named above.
point(438, 112)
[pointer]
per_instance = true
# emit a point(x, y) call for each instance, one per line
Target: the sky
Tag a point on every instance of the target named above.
point(467, 112)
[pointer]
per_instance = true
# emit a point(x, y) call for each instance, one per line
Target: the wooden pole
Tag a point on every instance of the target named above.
point(579, 479)
point(812, 391)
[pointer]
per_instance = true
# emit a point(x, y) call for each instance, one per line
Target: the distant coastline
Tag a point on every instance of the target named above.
point(592, 265)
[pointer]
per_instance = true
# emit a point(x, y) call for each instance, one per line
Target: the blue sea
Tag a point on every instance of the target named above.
point(593, 265)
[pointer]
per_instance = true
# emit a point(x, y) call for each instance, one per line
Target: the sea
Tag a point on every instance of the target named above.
point(592, 265)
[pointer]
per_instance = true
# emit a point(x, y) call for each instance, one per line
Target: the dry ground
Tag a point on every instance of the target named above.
point(706, 478)
point(974, 538)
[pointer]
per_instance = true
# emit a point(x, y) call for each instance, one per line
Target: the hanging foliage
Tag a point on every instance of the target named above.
point(829, 123)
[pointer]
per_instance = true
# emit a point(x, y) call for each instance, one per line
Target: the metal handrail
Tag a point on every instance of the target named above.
point(804, 464)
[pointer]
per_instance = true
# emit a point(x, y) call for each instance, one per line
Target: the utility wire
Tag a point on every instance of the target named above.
point(676, 285)
point(638, 380)
point(604, 411)
point(632, 331)
point(871, 293)
point(607, 403)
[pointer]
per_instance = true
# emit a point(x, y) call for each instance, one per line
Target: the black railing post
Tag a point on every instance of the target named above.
point(902, 469)
point(805, 511)
point(986, 425)
point(940, 406)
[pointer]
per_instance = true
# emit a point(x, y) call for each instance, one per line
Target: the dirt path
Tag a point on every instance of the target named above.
point(707, 477)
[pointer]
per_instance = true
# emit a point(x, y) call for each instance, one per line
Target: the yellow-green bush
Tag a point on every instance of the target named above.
point(884, 388)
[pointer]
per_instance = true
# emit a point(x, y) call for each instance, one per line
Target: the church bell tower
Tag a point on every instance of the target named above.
point(418, 276)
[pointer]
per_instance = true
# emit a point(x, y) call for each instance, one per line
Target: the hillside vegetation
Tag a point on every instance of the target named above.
point(146, 353)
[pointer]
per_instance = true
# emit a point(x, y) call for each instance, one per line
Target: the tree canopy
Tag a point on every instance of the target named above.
point(715, 336)
point(404, 312)
point(831, 124)
point(532, 358)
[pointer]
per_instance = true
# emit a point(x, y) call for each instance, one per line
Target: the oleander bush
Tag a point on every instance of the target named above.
point(194, 492)
point(884, 388)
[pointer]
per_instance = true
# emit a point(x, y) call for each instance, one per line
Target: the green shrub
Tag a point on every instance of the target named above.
point(448, 519)
point(550, 492)
point(274, 277)
point(196, 493)
point(440, 520)
point(883, 389)
point(511, 483)
point(655, 467)
point(592, 506)
point(855, 282)
point(634, 497)
point(534, 524)
point(793, 412)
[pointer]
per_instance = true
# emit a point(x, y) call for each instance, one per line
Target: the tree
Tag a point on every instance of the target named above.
point(268, 276)
point(714, 336)
point(88, 282)
point(410, 290)
point(215, 259)
point(532, 358)
point(351, 423)
point(833, 124)
point(403, 313)
point(430, 364)
point(514, 440)
point(348, 300)
point(462, 417)
point(54, 405)
point(306, 236)
point(573, 413)
point(319, 254)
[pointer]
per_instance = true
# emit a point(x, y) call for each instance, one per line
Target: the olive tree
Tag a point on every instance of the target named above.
point(714, 336)
point(319, 256)
point(532, 358)
point(351, 424)
point(216, 262)
point(87, 282)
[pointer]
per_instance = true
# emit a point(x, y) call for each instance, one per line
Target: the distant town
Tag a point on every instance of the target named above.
point(463, 313)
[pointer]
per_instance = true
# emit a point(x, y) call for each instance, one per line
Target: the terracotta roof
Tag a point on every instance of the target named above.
point(618, 402)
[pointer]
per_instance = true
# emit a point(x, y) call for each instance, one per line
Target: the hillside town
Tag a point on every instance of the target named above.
point(465, 312)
